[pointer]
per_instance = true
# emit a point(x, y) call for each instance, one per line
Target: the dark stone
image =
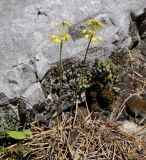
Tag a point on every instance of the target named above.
point(39, 108)
point(133, 32)
point(51, 86)
point(141, 24)
point(3, 98)
point(22, 111)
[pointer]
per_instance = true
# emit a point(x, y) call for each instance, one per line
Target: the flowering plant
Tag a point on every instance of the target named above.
point(60, 38)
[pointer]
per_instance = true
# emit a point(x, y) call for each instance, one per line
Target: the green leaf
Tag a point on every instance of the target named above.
point(27, 132)
point(19, 135)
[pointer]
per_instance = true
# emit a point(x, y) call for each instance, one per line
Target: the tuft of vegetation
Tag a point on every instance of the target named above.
point(101, 90)
point(103, 72)
point(9, 123)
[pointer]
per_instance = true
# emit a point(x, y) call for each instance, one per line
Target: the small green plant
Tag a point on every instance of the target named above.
point(82, 81)
point(20, 135)
point(102, 80)
point(7, 122)
point(104, 72)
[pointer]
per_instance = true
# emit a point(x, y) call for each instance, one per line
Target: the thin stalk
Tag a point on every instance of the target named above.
point(61, 82)
point(60, 95)
point(85, 57)
point(82, 67)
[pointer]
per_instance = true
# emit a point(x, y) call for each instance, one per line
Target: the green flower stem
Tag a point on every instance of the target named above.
point(82, 67)
point(61, 82)
point(60, 95)
point(61, 64)
point(85, 57)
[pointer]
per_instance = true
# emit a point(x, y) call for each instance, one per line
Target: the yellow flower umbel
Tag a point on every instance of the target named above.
point(93, 39)
point(100, 39)
point(56, 24)
point(93, 26)
point(61, 36)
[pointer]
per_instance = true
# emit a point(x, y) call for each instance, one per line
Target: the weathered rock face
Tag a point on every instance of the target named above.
point(27, 54)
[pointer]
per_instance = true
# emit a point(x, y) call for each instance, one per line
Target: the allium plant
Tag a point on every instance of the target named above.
point(90, 33)
point(60, 38)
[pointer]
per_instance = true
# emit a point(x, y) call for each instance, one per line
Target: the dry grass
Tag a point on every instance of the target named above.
point(88, 139)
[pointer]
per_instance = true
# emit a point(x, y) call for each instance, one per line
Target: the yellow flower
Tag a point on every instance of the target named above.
point(91, 31)
point(57, 41)
point(66, 23)
point(84, 31)
point(102, 25)
point(87, 36)
point(93, 39)
point(56, 24)
point(61, 36)
point(100, 39)
point(95, 24)
point(53, 36)
point(65, 37)
point(88, 23)
point(95, 21)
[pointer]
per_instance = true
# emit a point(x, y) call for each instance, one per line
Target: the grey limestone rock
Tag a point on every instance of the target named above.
point(25, 27)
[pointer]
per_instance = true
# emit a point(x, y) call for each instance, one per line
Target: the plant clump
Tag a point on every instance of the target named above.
point(103, 72)
point(9, 123)
point(102, 80)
